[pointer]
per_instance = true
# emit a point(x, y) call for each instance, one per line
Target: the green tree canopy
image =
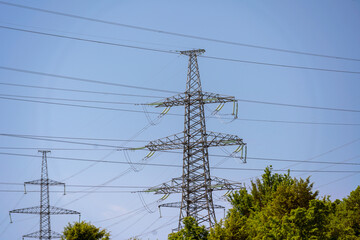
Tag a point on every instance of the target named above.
point(281, 207)
point(84, 231)
point(191, 231)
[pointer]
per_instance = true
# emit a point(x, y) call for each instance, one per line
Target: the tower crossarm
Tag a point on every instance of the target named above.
point(37, 210)
point(176, 141)
point(178, 205)
point(44, 181)
point(176, 186)
point(183, 99)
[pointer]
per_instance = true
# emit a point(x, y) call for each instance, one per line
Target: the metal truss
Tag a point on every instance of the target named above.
point(176, 186)
point(195, 184)
point(44, 210)
point(177, 141)
point(43, 235)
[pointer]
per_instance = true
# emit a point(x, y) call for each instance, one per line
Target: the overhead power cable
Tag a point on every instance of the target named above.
point(178, 34)
point(146, 96)
point(297, 106)
point(55, 191)
point(76, 90)
point(36, 137)
point(178, 166)
point(174, 114)
point(83, 79)
point(76, 138)
point(82, 185)
point(68, 99)
point(175, 52)
point(279, 65)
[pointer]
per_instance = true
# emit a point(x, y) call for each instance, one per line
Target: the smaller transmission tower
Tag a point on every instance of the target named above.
point(44, 210)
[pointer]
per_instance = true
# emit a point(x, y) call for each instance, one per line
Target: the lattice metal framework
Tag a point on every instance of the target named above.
point(44, 210)
point(196, 184)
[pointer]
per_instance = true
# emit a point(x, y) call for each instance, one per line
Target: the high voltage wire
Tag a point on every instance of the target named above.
point(175, 52)
point(68, 99)
point(54, 191)
point(36, 137)
point(72, 78)
point(297, 106)
point(133, 103)
point(180, 166)
point(174, 114)
point(83, 79)
point(81, 185)
point(79, 138)
point(177, 34)
point(76, 90)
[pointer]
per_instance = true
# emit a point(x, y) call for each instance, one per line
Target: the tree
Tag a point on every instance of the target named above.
point(191, 231)
point(281, 207)
point(84, 231)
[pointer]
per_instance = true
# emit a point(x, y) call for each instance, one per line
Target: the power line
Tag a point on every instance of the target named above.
point(36, 137)
point(297, 106)
point(135, 95)
point(70, 100)
point(174, 52)
point(279, 65)
point(77, 138)
point(180, 166)
point(76, 90)
point(174, 114)
point(56, 149)
point(55, 191)
point(178, 34)
point(83, 79)
point(81, 185)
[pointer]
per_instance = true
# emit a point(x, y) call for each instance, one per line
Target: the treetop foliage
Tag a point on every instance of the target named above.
point(278, 206)
point(84, 231)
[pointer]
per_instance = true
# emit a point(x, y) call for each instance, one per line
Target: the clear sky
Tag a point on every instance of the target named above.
point(288, 133)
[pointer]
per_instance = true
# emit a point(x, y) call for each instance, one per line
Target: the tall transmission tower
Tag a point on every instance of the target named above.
point(44, 210)
point(196, 183)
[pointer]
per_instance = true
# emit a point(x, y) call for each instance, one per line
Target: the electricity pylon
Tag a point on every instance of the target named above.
point(196, 184)
point(44, 210)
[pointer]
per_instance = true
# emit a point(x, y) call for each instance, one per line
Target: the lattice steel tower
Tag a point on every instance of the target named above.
point(44, 210)
point(196, 183)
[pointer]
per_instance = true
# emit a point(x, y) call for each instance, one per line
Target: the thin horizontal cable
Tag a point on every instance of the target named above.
point(174, 114)
point(76, 138)
point(36, 137)
point(88, 40)
point(68, 99)
point(278, 65)
point(172, 52)
point(298, 106)
point(76, 90)
point(134, 95)
point(55, 191)
point(211, 155)
point(178, 34)
point(82, 79)
point(56, 149)
point(81, 185)
point(62, 141)
point(178, 166)
point(297, 122)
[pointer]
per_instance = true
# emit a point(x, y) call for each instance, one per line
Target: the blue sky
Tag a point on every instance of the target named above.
point(321, 27)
